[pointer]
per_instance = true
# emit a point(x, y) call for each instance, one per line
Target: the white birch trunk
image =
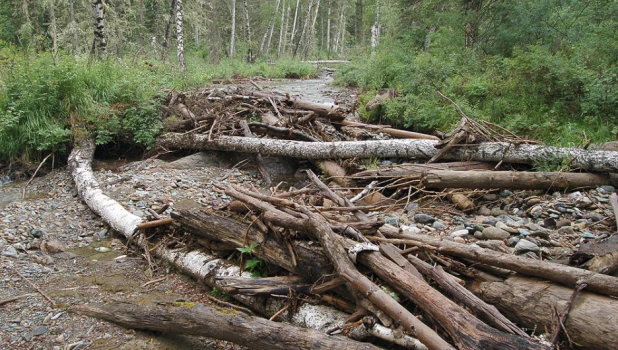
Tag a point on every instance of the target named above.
point(248, 31)
point(293, 33)
point(342, 30)
point(600, 161)
point(99, 45)
point(74, 27)
point(180, 48)
point(233, 34)
point(303, 33)
point(281, 27)
point(311, 36)
point(328, 30)
point(53, 29)
point(80, 163)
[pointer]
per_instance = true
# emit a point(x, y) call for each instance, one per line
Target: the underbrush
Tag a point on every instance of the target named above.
point(45, 101)
point(558, 98)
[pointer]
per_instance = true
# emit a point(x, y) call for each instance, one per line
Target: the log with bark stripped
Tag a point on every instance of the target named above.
point(224, 324)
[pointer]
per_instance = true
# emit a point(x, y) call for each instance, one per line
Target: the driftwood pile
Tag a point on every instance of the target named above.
point(321, 249)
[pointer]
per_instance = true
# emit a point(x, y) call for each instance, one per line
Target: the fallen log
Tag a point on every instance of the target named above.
point(566, 275)
point(325, 110)
point(205, 267)
point(333, 246)
point(390, 131)
point(203, 320)
point(600, 161)
point(439, 179)
point(80, 164)
point(415, 171)
point(532, 303)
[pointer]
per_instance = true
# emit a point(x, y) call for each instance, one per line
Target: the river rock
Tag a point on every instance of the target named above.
point(536, 211)
point(460, 233)
point(525, 246)
point(424, 219)
point(495, 233)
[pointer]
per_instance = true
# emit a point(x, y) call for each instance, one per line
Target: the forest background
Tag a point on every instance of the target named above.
point(545, 69)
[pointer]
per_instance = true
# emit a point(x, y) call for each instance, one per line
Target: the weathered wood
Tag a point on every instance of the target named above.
point(329, 111)
point(380, 99)
point(281, 285)
point(566, 275)
point(466, 330)
point(334, 248)
point(600, 161)
point(464, 296)
point(511, 179)
point(224, 324)
point(416, 171)
point(311, 261)
point(592, 322)
point(80, 163)
point(390, 131)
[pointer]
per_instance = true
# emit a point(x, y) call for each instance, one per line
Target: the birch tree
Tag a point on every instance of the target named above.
point(99, 45)
point(168, 31)
point(73, 26)
point(250, 57)
point(233, 34)
point(265, 45)
point(180, 48)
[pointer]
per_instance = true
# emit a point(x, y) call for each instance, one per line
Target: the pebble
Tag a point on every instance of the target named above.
point(438, 225)
point(460, 233)
point(495, 233)
point(11, 252)
point(525, 246)
point(424, 219)
point(536, 211)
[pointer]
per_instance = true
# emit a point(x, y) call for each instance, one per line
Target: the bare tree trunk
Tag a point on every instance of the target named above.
point(311, 37)
point(53, 30)
point(265, 45)
point(73, 27)
point(250, 57)
point(168, 32)
point(99, 45)
point(328, 30)
point(342, 24)
point(180, 48)
point(233, 35)
point(281, 28)
point(286, 30)
point(202, 320)
point(294, 24)
point(303, 33)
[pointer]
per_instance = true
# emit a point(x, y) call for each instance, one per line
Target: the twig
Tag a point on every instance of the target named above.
point(279, 313)
point(23, 194)
point(565, 315)
point(10, 300)
point(153, 282)
point(34, 286)
point(364, 192)
point(256, 85)
point(230, 305)
point(155, 223)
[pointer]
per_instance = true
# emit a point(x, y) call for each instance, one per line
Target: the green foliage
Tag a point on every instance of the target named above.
point(40, 100)
point(255, 265)
point(220, 294)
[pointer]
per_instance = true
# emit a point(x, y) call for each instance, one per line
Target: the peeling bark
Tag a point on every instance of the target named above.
point(489, 152)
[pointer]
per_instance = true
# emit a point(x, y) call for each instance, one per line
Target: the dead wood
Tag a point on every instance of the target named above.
point(334, 247)
point(287, 133)
point(282, 285)
point(223, 324)
point(416, 171)
point(598, 255)
point(466, 330)
point(323, 110)
point(600, 161)
point(566, 275)
point(380, 99)
point(258, 157)
point(311, 264)
point(391, 131)
point(592, 322)
point(460, 293)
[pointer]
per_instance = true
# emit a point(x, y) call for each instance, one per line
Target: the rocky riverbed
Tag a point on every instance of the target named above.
point(54, 241)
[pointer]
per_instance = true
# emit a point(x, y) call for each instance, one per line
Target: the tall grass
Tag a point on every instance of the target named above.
point(42, 99)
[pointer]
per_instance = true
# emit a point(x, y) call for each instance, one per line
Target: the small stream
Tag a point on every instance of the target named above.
point(315, 90)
